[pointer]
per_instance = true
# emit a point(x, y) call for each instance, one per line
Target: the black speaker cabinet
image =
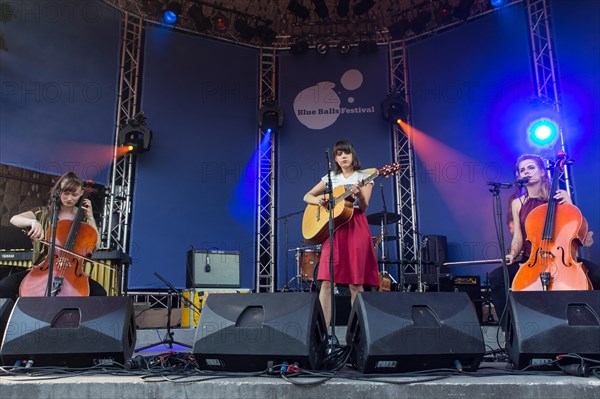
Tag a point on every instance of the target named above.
point(213, 269)
point(543, 324)
point(69, 331)
point(407, 331)
point(435, 254)
point(246, 332)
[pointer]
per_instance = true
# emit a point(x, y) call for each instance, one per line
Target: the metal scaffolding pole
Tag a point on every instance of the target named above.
point(265, 240)
point(117, 205)
point(405, 179)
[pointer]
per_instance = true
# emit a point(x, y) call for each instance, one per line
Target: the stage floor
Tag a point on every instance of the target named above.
point(493, 379)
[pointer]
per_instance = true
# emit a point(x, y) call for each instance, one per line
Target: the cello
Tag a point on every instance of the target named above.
point(74, 240)
point(556, 231)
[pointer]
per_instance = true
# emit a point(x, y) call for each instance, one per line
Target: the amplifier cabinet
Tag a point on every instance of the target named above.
point(212, 269)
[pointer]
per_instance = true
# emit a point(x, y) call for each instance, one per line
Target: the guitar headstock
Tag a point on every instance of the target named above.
point(388, 170)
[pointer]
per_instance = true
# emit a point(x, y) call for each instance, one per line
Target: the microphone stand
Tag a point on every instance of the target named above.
point(384, 246)
point(286, 218)
point(330, 207)
point(168, 339)
point(495, 190)
point(50, 290)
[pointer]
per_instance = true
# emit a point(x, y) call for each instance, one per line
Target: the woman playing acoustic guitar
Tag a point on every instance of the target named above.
point(355, 263)
point(38, 222)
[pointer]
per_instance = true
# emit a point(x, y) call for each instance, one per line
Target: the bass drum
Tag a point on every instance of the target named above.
point(308, 261)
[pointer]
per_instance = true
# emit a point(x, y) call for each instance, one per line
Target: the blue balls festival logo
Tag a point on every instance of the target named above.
point(319, 106)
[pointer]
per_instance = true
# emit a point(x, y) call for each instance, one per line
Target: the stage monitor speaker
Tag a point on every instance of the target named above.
point(213, 269)
point(70, 331)
point(544, 324)
point(251, 332)
point(6, 305)
point(408, 331)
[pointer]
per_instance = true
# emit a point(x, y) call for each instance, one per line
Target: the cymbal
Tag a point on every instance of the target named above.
point(375, 218)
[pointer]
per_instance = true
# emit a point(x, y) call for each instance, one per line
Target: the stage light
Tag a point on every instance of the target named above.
point(398, 29)
point(171, 13)
point(343, 8)
point(362, 7)
point(394, 108)
point(497, 3)
point(299, 48)
point(266, 34)
point(322, 47)
point(246, 31)
point(543, 132)
point(419, 24)
point(443, 14)
point(270, 116)
point(321, 9)
point(220, 22)
point(298, 9)
point(135, 136)
point(152, 7)
point(201, 21)
point(463, 10)
point(343, 46)
point(367, 47)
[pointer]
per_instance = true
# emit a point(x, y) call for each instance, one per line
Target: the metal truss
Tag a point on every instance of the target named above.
point(265, 240)
point(544, 59)
point(410, 259)
point(117, 205)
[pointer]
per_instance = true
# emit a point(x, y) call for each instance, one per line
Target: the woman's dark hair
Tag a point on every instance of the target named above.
point(347, 147)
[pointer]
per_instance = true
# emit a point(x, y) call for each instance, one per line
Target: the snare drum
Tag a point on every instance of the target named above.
point(308, 259)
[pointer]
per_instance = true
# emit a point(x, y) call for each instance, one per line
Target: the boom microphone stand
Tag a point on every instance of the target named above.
point(286, 218)
point(330, 207)
point(168, 338)
point(495, 190)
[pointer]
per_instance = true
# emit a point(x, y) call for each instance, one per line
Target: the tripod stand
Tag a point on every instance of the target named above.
point(168, 338)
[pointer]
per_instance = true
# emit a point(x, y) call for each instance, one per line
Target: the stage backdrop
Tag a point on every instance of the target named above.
point(471, 89)
point(58, 87)
point(196, 187)
point(577, 45)
point(327, 98)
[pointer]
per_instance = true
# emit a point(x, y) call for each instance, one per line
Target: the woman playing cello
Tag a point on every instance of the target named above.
point(38, 221)
point(535, 193)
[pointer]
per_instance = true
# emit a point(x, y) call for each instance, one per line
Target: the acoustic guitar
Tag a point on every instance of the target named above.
point(315, 221)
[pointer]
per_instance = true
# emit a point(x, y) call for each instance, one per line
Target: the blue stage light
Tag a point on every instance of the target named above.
point(543, 132)
point(497, 3)
point(171, 12)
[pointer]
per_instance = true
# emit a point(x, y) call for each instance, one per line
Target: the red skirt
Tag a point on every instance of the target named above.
point(354, 260)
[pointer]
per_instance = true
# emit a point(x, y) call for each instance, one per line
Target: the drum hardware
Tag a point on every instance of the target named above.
point(307, 261)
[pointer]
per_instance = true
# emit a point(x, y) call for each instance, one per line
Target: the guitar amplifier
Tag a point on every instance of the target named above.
point(469, 284)
point(213, 269)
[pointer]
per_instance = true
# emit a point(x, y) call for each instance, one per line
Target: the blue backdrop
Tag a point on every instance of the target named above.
point(58, 87)
point(196, 187)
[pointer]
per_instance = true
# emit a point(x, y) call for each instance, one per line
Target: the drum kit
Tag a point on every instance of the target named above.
point(307, 258)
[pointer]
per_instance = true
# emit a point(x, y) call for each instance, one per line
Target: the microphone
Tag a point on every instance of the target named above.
point(328, 159)
point(207, 267)
point(521, 182)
